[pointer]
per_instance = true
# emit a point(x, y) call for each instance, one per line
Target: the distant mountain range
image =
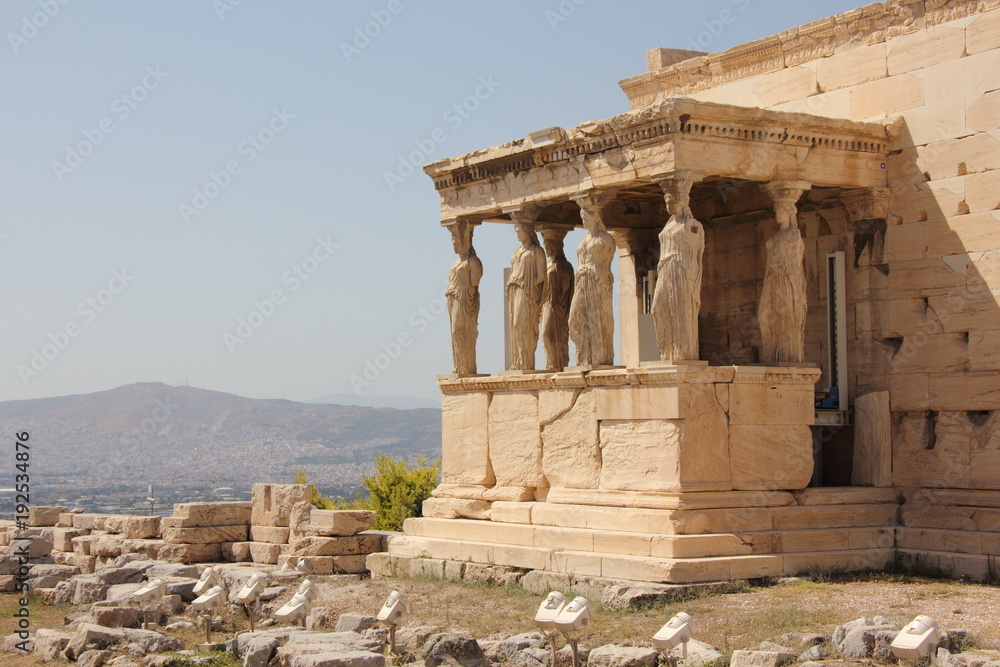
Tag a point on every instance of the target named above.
point(156, 433)
point(379, 401)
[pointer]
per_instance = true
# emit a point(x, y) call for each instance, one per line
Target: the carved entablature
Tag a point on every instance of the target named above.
point(866, 25)
point(675, 133)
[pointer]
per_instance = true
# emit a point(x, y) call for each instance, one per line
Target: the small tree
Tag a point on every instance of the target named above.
point(395, 492)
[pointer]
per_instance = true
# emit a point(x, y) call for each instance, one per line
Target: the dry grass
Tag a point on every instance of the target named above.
point(729, 621)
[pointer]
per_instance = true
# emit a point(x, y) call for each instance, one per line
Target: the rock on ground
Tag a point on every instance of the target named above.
point(460, 646)
point(612, 655)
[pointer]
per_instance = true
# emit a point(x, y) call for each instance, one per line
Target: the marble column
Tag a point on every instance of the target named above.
point(524, 289)
point(462, 296)
point(677, 298)
point(638, 250)
point(782, 308)
point(591, 315)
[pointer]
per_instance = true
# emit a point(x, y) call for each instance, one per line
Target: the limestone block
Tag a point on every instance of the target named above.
point(850, 68)
point(952, 541)
point(639, 402)
point(982, 191)
point(700, 546)
point(984, 113)
point(508, 512)
point(834, 516)
point(770, 404)
point(872, 441)
point(464, 440)
point(925, 48)
point(622, 656)
point(454, 508)
point(973, 566)
point(974, 390)
point(955, 157)
point(791, 83)
point(191, 553)
point(571, 454)
point(962, 78)
point(760, 658)
point(928, 353)
point(515, 446)
point(983, 32)
point(190, 515)
point(236, 552)
point(271, 534)
point(353, 564)
point(298, 520)
point(89, 521)
point(65, 520)
point(928, 200)
point(339, 522)
point(932, 122)
point(957, 518)
point(740, 93)
point(509, 493)
point(133, 527)
point(264, 552)
point(205, 534)
point(774, 456)
point(640, 455)
point(44, 515)
point(877, 99)
point(62, 538)
point(835, 104)
point(271, 504)
point(106, 545)
point(337, 546)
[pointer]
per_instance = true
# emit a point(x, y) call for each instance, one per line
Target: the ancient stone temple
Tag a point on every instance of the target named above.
point(805, 232)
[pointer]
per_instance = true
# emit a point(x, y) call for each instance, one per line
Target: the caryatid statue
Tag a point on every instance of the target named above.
point(782, 309)
point(524, 290)
point(591, 317)
point(463, 299)
point(556, 299)
point(677, 297)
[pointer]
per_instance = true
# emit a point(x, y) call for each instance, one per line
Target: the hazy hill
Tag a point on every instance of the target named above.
point(155, 433)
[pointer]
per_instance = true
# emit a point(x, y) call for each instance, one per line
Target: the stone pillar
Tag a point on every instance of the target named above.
point(782, 307)
point(677, 299)
point(462, 295)
point(591, 315)
point(556, 298)
point(867, 210)
point(524, 288)
point(637, 256)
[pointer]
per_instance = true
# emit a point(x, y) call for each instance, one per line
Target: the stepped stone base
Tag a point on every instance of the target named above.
point(706, 537)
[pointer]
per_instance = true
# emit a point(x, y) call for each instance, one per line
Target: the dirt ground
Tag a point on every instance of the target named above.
point(729, 621)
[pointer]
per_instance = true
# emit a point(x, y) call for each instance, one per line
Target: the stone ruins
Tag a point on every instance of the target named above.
point(808, 330)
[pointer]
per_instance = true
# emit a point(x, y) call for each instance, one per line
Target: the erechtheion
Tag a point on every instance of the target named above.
point(805, 236)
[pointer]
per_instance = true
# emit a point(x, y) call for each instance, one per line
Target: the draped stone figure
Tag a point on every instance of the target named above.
point(591, 317)
point(556, 300)
point(677, 297)
point(524, 293)
point(782, 310)
point(463, 300)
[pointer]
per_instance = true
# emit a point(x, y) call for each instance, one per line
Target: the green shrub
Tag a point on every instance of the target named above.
point(395, 492)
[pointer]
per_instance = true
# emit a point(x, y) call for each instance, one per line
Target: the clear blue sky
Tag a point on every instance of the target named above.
point(116, 112)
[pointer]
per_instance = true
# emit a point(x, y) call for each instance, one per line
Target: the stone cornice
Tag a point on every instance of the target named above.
point(671, 119)
point(866, 25)
point(681, 374)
